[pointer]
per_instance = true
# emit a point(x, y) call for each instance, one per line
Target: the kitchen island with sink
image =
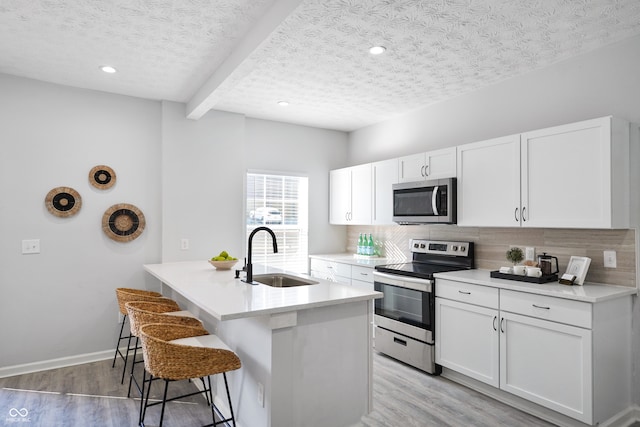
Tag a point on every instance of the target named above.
point(306, 351)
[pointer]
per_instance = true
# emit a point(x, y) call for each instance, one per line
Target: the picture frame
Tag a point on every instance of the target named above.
point(578, 266)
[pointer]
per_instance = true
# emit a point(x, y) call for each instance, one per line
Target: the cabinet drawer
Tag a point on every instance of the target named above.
point(364, 274)
point(560, 310)
point(366, 286)
point(466, 292)
point(331, 268)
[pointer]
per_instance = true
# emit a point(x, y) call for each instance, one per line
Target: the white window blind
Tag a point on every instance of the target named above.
point(281, 203)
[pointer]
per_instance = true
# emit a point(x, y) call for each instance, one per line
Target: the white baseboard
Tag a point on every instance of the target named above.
point(27, 368)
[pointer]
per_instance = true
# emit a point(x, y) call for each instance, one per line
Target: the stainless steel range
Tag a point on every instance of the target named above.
point(405, 315)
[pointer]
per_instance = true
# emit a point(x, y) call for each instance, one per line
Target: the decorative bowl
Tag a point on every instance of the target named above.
point(223, 265)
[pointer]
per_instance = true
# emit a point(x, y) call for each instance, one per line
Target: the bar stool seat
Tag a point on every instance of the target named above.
point(179, 352)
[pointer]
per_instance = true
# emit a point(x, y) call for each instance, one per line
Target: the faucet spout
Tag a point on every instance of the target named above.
point(249, 277)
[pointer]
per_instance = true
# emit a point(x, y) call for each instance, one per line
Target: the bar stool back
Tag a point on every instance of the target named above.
point(179, 352)
point(125, 295)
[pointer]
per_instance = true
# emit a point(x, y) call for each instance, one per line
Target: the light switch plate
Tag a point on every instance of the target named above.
point(31, 246)
point(610, 260)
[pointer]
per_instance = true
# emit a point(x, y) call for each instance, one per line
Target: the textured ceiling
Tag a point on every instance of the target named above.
point(224, 55)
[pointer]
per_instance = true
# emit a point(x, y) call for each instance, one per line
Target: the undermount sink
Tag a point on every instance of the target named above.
point(282, 280)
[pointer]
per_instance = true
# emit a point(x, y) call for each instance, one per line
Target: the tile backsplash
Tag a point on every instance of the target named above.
point(491, 245)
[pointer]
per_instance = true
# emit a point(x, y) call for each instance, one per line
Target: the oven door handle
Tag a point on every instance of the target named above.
point(422, 285)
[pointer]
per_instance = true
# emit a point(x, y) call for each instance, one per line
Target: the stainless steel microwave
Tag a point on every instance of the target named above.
point(425, 202)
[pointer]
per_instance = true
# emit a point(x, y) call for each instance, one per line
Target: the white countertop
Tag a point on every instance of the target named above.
point(347, 258)
point(589, 292)
point(224, 297)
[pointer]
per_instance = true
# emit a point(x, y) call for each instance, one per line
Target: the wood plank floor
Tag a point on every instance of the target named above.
point(91, 395)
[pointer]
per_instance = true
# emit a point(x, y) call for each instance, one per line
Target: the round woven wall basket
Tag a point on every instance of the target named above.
point(102, 177)
point(123, 222)
point(63, 201)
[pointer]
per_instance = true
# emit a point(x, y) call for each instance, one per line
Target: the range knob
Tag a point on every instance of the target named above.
point(454, 248)
point(422, 246)
point(415, 245)
point(463, 248)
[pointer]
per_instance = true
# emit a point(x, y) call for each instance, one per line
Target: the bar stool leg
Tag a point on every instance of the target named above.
point(146, 401)
point(226, 385)
point(126, 358)
point(120, 338)
point(133, 365)
point(164, 401)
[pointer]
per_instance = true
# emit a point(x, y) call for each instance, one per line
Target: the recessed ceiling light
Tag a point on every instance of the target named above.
point(108, 69)
point(283, 103)
point(377, 50)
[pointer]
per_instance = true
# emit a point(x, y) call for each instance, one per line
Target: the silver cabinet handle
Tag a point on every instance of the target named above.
point(502, 325)
point(364, 274)
point(495, 320)
point(422, 171)
point(426, 170)
point(524, 213)
point(465, 292)
point(515, 214)
point(539, 306)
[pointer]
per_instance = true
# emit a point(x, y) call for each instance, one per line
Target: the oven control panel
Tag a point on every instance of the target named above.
point(440, 247)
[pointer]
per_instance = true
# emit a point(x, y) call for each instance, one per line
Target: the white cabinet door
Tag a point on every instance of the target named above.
point(411, 168)
point(489, 183)
point(385, 174)
point(339, 196)
point(567, 176)
point(441, 164)
point(430, 165)
point(361, 189)
point(547, 363)
point(467, 340)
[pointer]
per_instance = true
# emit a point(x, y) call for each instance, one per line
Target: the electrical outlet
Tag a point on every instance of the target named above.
point(261, 394)
point(610, 260)
point(184, 244)
point(529, 254)
point(31, 246)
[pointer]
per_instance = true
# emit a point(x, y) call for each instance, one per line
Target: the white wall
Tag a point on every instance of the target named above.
point(281, 147)
point(203, 165)
point(601, 83)
point(61, 302)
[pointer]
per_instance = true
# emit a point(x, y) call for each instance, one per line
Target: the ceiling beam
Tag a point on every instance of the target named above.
point(205, 98)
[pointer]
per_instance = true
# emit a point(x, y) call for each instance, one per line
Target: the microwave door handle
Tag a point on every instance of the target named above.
point(434, 201)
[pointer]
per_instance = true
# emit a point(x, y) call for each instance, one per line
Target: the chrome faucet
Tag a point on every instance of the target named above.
point(249, 277)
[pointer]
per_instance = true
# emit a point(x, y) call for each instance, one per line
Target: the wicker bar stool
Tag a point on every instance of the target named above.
point(178, 352)
point(144, 312)
point(125, 295)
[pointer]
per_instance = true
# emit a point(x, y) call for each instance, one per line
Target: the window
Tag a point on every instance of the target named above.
point(281, 203)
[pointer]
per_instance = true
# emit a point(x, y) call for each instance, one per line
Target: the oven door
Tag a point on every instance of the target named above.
point(407, 306)
point(425, 202)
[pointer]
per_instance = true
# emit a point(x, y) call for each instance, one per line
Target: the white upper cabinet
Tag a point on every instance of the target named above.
point(576, 175)
point(489, 183)
point(384, 175)
point(350, 195)
point(570, 176)
point(430, 165)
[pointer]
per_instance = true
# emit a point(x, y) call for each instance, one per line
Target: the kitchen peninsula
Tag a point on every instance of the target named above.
point(306, 351)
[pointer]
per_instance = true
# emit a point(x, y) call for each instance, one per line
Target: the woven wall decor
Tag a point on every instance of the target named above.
point(102, 177)
point(63, 201)
point(123, 222)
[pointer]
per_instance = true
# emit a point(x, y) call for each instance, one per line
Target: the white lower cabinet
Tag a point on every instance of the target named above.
point(467, 340)
point(548, 363)
point(344, 273)
point(569, 356)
